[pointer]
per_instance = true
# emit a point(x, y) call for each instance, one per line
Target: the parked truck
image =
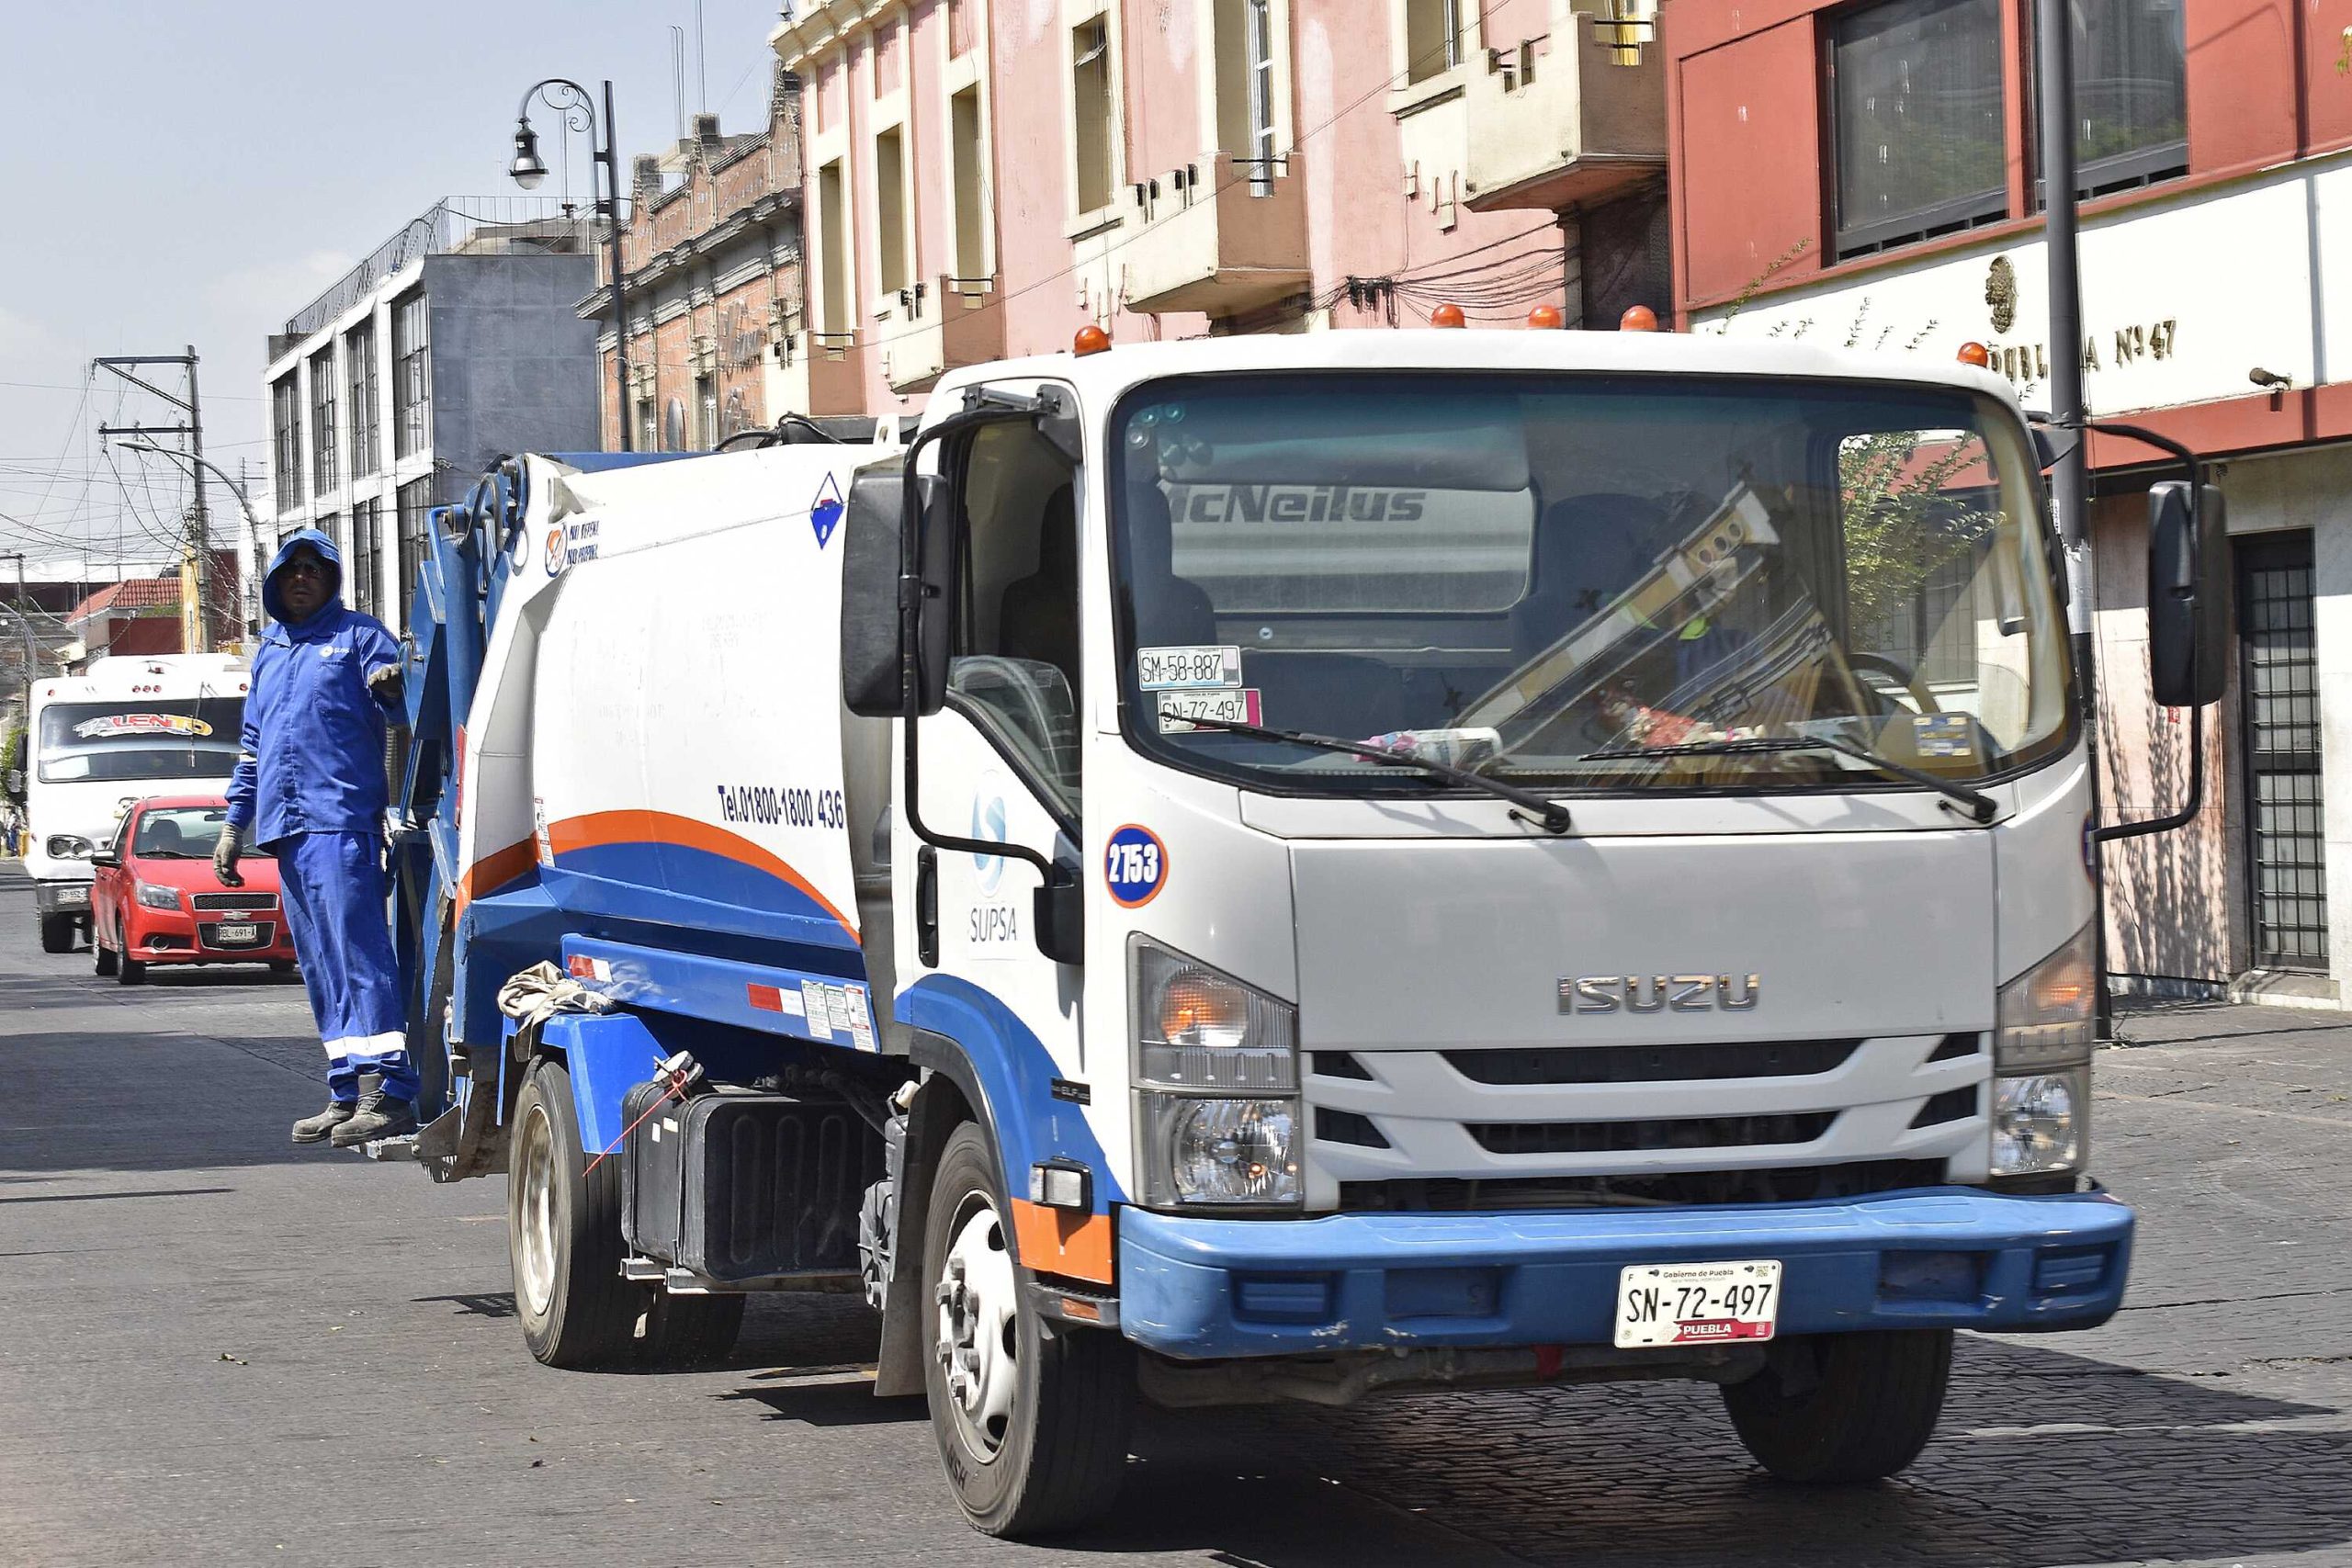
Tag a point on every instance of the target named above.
point(98, 742)
point(1289, 868)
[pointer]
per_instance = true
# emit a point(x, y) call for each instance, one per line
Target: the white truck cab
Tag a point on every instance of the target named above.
point(99, 742)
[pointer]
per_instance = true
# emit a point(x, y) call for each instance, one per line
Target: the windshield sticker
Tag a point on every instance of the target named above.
point(1944, 735)
point(1135, 865)
point(825, 512)
point(1232, 705)
point(114, 726)
point(1163, 669)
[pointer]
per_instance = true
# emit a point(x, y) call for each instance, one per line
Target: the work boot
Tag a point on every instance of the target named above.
point(315, 1129)
point(379, 1116)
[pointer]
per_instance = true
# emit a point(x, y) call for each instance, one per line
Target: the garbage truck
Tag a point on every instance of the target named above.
point(1289, 869)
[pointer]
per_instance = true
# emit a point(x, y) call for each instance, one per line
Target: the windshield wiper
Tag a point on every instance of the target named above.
point(1980, 806)
point(1548, 814)
point(165, 854)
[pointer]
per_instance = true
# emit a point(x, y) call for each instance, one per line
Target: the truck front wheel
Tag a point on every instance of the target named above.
point(1843, 1408)
point(563, 1233)
point(1033, 1429)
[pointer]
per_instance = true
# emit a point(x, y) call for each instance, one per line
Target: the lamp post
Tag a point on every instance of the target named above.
point(571, 100)
point(204, 465)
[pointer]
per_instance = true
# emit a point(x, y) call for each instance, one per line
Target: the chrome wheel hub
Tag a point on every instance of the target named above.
point(534, 1241)
point(976, 1343)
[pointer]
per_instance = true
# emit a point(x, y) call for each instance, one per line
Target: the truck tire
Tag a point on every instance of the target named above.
point(563, 1233)
point(690, 1331)
point(1033, 1430)
point(1838, 1408)
point(101, 955)
point(57, 933)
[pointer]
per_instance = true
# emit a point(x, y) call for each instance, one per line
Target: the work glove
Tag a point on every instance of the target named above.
point(385, 685)
point(225, 854)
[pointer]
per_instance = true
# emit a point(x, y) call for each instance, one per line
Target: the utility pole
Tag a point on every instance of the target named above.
point(200, 528)
point(2070, 476)
point(201, 520)
point(199, 466)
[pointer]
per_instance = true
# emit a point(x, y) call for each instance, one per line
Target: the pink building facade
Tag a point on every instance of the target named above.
point(984, 177)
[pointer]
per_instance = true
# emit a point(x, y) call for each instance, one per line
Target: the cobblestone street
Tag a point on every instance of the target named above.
point(223, 1351)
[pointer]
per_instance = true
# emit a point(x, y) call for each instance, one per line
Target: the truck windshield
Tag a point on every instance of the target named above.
point(1585, 580)
point(161, 737)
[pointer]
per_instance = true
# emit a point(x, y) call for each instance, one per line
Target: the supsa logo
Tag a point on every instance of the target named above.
point(1300, 503)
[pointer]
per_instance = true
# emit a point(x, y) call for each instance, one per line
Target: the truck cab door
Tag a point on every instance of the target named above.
point(999, 764)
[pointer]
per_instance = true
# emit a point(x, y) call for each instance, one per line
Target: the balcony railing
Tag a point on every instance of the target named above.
point(1221, 235)
point(1573, 117)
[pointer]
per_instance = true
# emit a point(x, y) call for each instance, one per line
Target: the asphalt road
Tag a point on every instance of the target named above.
point(217, 1349)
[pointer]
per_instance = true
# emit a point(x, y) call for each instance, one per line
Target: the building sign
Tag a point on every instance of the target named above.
point(2185, 298)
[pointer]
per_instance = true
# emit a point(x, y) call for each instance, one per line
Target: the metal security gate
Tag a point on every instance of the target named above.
point(2279, 682)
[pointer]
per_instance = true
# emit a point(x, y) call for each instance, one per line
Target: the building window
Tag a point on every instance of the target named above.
point(891, 227)
point(286, 427)
point(411, 502)
point(706, 411)
point(2130, 93)
point(1245, 88)
point(967, 151)
point(1917, 121)
point(360, 368)
point(412, 376)
point(1432, 38)
point(322, 433)
point(1090, 98)
point(649, 431)
point(832, 230)
point(365, 585)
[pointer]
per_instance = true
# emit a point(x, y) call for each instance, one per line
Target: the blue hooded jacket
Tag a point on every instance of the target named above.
point(314, 737)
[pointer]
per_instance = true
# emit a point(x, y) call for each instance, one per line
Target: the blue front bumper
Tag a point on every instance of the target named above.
point(1932, 1258)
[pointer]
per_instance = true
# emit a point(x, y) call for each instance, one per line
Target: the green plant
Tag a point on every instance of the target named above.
point(1902, 521)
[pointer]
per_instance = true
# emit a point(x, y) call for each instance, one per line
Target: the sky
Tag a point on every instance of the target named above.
point(197, 172)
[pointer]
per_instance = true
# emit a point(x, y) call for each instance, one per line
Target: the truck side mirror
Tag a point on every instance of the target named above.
point(873, 650)
point(2188, 598)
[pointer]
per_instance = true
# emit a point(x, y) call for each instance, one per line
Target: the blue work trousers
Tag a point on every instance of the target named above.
point(334, 892)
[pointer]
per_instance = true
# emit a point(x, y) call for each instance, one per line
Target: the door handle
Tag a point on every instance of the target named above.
point(927, 907)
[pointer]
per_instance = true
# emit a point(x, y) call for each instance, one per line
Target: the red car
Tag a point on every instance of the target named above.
point(153, 898)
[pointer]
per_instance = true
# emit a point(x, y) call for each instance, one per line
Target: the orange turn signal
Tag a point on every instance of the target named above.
point(1546, 318)
point(1448, 316)
point(1637, 319)
point(1976, 353)
point(1091, 339)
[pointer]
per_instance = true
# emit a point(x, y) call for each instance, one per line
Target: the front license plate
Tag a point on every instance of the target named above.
point(227, 935)
point(1232, 705)
point(1697, 1303)
point(72, 895)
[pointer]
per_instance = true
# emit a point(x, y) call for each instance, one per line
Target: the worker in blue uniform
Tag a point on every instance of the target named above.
point(309, 788)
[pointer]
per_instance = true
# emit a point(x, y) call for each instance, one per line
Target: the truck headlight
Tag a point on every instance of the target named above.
point(153, 897)
point(2040, 1123)
point(1216, 1085)
point(2045, 1014)
point(68, 846)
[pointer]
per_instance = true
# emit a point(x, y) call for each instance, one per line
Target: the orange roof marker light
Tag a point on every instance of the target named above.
point(1546, 318)
point(1637, 319)
point(1091, 339)
point(1976, 353)
point(1448, 315)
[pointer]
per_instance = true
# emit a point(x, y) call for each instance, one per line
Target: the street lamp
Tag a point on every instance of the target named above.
point(206, 466)
point(571, 100)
